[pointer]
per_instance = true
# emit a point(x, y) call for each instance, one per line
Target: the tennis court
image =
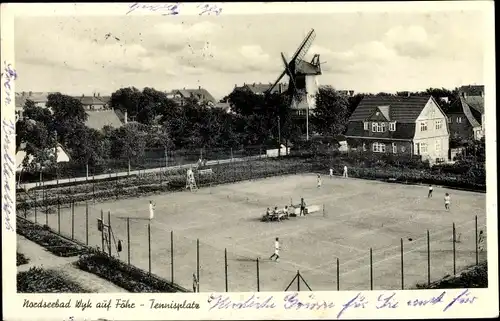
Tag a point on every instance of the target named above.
point(356, 215)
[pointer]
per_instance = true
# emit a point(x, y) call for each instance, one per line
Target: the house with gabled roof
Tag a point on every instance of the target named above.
point(466, 115)
point(201, 94)
point(413, 125)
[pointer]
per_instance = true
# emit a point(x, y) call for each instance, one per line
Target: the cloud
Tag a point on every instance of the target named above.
point(412, 41)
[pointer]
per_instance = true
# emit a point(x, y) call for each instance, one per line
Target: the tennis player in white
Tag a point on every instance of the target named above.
point(276, 250)
point(151, 210)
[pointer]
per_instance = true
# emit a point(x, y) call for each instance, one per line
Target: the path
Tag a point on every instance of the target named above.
point(29, 186)
point(40, 257)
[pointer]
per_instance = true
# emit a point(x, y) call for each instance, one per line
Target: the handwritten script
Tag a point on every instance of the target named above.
point(8, 164)
point(299, 301)
point(172, 9)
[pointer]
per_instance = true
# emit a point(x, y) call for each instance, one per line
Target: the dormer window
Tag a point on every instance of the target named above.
point(392, 126)
point(365, 125)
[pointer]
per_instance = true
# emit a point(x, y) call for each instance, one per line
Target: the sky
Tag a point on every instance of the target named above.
point(365, 52)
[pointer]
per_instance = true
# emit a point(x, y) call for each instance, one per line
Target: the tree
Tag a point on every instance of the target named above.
point(127, 142)
point(126, 100)
point(68, 112)
point(331, 113)
point(85, 145)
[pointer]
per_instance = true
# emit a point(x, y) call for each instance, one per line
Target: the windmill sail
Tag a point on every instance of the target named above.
point(304, 46)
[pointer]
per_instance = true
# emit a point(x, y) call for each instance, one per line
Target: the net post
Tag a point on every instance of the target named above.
point(58, 215)
point(338, 275)
point(454, 251)
point(149, 247)
point(225, 269)
point(86, 222)
point(298, 281)
point(172, 256)
point(72, 219)
point(102, 231)
point(428, 258)
point(371, 269)
point(128, 240)
point(109, 233)
point(402, 267)
point(258, 276)
point(198, 263)
point(476, 241)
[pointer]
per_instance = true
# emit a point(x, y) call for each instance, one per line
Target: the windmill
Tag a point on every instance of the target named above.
point(303, 82)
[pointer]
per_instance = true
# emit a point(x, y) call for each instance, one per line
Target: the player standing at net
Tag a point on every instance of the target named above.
point(276, 250)
point(447, 201)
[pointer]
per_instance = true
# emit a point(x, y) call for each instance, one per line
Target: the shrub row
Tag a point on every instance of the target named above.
point(38, 280)
point(21, 259)
point(475, 277)
point(45, 237)
point(123, 275)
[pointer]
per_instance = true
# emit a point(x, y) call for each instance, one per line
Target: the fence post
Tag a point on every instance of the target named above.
point(402, 267)
point(58, 215)
point(72, 220)
point(36, 220)
point(258, 276)
point(338, 275)
point(86, 222)
point(477, 249)
point(47, 215)
point(102, 231)
point(454, 252)
point(198, 262)
point(149, 246)
point(109, 233)
point(428, 258)
point(298, 281)
point(172, 255)
point(128, 240)
point(371, 269)
point(225, 268)
point(26, 210)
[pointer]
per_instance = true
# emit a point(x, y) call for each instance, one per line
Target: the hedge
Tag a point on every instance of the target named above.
point(38, 280)
point(123, 275)
point(44, 236)
point(21, 259)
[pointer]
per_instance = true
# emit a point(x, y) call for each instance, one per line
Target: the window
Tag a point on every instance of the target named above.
point(382, 127)
point(374, 127)
point(365, 125)
point(423, 126)
point(379, 147)
point(450, 120)
point(392, 126)
point(438, 146)
point(459, 120)
point(439, 124)
point(378, 127)
point(423, 148)
point(394, 148)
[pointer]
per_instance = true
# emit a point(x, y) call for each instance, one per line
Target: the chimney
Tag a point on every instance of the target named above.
point(235, 85)
point(30, 93)
point(94, 94)
point(254, 84)
point(199, 87)
point(125, 119)
point(98, 94)
point(83, 95)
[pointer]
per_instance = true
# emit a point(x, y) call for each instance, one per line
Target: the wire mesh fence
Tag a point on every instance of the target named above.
point(181, 258)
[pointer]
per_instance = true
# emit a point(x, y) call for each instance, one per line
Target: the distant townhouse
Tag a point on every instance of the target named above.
point(466, 115)
point(261, 89)
point(346, 93)
point(39, 98)
point(413, 125)
point(201, 94)
point(99, 112)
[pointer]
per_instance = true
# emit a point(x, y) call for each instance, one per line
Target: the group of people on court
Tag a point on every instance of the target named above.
point(447, 197)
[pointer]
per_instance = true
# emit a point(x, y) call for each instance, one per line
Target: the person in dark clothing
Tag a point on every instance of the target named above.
point(302, 207)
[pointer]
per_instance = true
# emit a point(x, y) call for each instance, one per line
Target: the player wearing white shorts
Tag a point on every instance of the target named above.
point(345, 172)
point(276, 250)
point(331, 172)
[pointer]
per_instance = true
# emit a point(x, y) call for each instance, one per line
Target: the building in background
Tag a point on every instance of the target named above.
point(413, 125)
point(466, 115)
point(201, 94)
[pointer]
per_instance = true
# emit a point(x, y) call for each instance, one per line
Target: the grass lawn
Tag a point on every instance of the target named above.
point(358, 214)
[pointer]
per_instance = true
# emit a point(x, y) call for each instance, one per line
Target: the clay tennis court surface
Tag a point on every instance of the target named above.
point(358, 214)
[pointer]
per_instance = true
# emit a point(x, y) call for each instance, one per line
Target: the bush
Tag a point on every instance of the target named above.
point(45, 237)
point(21, 259)
point(475, 277)
point(38, 280)
point(126, 276)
